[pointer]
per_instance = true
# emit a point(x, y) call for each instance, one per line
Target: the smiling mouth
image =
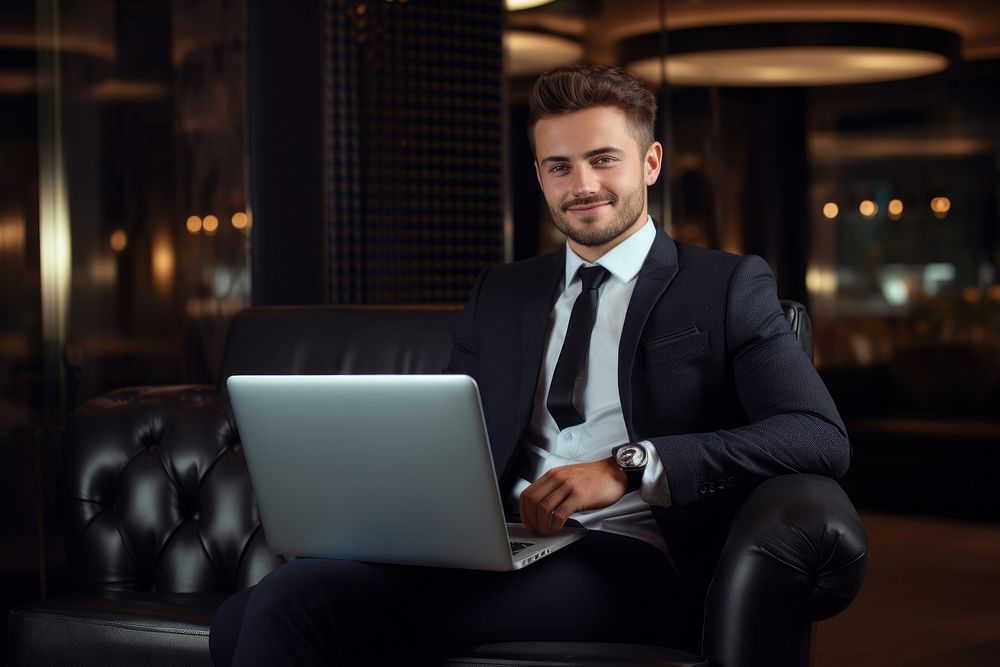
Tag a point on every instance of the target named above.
point(588, 208)
point(589, 204)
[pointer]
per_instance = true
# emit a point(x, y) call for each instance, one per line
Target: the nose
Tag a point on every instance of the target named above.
point(585, 182)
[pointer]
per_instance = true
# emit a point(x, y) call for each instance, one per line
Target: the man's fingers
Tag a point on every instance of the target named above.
point(529, 503)
point(530, 499)
point(557, 519)
point(547, 504)
point(550, 515)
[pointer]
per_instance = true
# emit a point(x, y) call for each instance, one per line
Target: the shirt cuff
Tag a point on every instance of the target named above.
point(655, 489)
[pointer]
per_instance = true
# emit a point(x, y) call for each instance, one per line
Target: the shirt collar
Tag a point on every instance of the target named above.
point(623, 261)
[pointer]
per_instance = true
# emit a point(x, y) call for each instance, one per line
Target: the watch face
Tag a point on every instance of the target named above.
point(631, 456)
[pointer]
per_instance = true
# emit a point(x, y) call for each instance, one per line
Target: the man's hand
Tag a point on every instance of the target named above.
point(563, 491)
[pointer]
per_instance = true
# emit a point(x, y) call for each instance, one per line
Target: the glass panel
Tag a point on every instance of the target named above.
point(903, 267)
point(143, 164)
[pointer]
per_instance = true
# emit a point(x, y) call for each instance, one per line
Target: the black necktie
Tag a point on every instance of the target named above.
point(573, 357)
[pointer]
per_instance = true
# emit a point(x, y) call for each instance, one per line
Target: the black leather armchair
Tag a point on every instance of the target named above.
point(162, 524)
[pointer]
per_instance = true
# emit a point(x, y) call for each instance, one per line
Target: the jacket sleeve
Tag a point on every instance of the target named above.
point(793, 424)
point(465, 346)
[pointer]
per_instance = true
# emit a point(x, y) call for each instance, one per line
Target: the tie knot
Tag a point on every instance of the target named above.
point(592, 276)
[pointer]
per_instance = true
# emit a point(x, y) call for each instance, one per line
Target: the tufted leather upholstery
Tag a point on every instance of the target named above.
point(159, 499)
point(162, 524)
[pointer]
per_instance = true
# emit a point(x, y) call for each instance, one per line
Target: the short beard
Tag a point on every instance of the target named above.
point(628, 209)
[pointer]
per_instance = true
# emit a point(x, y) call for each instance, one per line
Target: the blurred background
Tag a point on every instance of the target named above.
point(165, 163)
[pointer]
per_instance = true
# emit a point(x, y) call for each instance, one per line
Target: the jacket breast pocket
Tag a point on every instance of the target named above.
point(675, 346)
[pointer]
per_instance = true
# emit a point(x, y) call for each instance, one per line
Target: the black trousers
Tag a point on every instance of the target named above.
point(604, 587)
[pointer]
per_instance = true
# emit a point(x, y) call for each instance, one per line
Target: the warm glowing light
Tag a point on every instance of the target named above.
point(940, 206)
point(868, 209)
point(12, 234)
point(240, 220)
point(831, 210)
point(54, 239)
point(895, 208)
point(515, 5)
point(211, 224)
point(118, 240)
point(994, 292)
point(193, 224)
point(534, 52)
point(970, 294)
point(163, 261)
point(787, 66)
point(821, 280)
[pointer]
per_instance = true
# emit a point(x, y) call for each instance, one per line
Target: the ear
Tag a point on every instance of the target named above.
point(653, 162)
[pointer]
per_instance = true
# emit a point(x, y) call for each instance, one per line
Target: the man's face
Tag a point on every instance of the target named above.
point(594, 177)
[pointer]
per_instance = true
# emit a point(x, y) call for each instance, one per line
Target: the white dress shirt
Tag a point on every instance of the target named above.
point(597, 396)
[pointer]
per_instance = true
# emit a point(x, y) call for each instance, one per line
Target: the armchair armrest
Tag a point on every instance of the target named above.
point(795, 554)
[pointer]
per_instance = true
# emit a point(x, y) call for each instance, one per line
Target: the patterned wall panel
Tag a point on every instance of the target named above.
point(413, 137)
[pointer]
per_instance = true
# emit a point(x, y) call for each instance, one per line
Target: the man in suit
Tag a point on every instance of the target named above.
point(639, 385)
point(708, 375)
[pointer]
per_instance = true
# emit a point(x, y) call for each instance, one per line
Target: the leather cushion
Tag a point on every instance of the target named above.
point(113, 629)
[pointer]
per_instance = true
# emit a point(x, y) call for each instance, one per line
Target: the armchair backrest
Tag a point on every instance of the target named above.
point(337, 340)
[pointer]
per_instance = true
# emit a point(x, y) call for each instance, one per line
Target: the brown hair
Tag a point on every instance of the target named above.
point(579, 87)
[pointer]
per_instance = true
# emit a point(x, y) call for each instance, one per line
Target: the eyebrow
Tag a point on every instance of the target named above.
point(589, 154)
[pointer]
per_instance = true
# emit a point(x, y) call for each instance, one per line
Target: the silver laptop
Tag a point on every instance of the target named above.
point(379, 468)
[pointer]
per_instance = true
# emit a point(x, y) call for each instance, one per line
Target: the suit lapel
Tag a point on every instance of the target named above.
point(536, 304)
point(655, 276)
point(534, 322)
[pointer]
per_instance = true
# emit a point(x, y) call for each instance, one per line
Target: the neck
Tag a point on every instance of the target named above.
point(592, 253)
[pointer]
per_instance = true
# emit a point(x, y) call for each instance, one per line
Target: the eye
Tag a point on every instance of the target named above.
point(558, 169)
point(605, 160)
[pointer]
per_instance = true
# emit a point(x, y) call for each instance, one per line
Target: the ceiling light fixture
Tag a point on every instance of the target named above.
point(530, 52)
point(518, 5)
point(792, 54)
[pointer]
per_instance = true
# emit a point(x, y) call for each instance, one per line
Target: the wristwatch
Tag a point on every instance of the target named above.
point(631, 458)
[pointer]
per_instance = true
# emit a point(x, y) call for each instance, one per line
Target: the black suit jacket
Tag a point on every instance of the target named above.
point(708, 371)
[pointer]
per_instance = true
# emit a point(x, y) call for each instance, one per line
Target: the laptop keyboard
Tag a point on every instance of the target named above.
point(518, 547)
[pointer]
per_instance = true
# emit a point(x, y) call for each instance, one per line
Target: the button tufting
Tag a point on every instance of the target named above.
point(196, 516)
